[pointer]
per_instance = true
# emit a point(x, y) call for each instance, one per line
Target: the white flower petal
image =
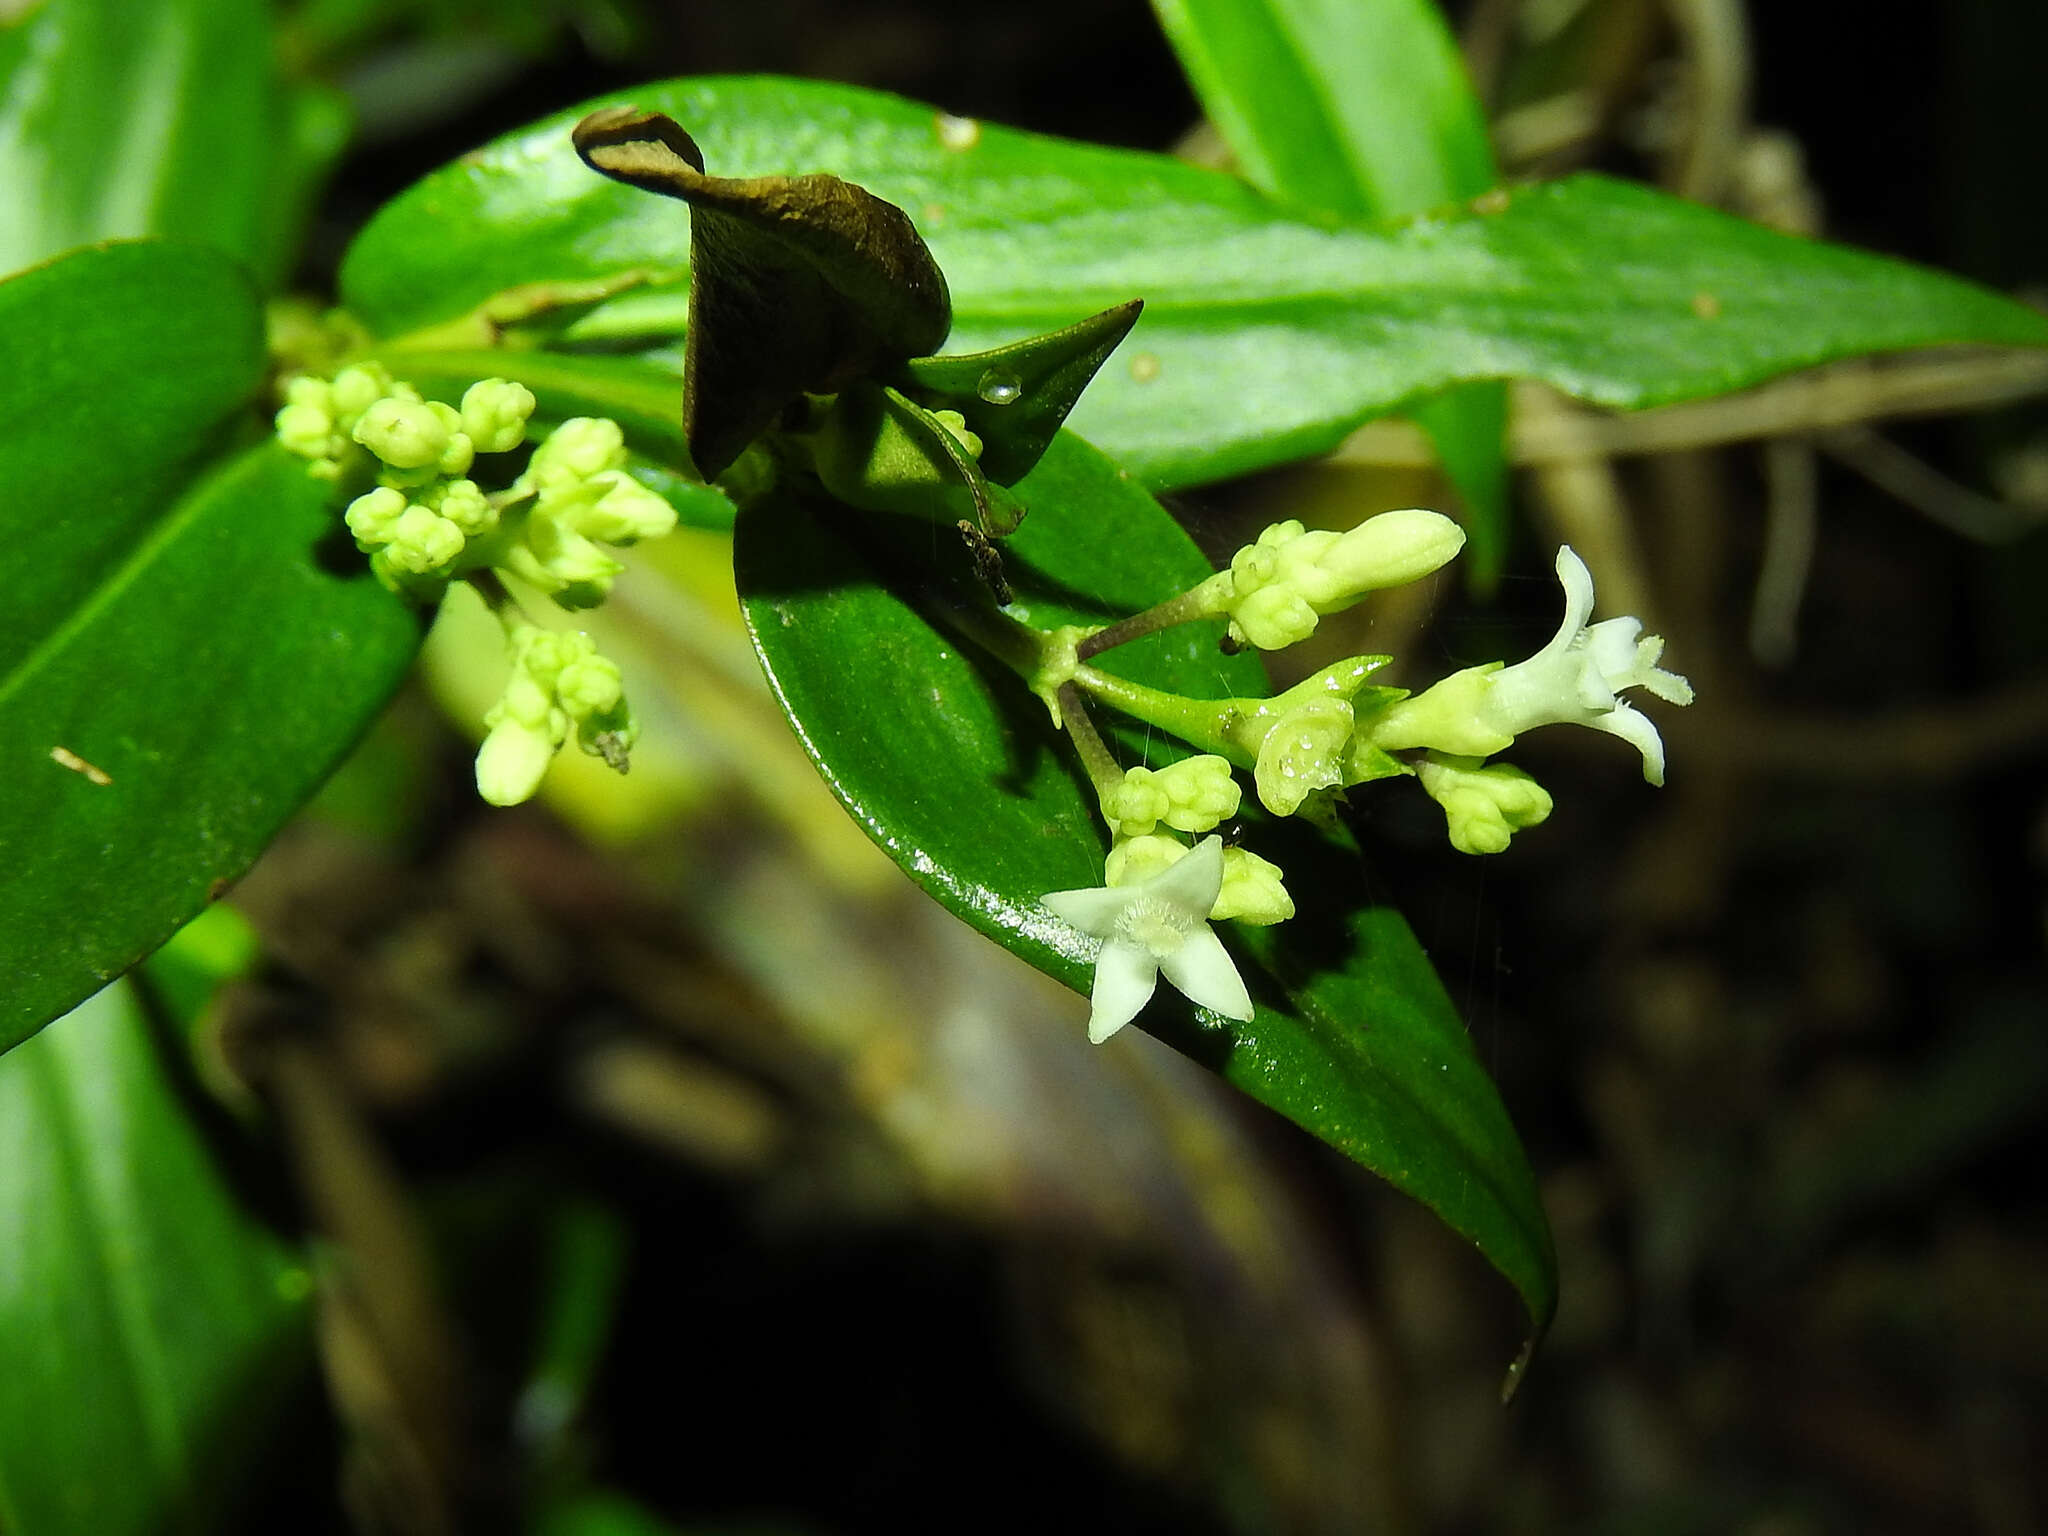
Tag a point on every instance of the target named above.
point(1611, 647)
point(1577, 582)
point(1638, 730)
point(1192, 884)
point(1094, 910)
point(1125, 975)
point(1203, 970)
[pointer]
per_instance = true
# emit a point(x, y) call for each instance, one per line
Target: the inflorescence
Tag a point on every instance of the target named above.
point(425, 521)
point(1165, 880)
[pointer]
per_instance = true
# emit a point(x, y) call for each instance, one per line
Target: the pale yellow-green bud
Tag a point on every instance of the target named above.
point(529, 700)
point(1281, 584)
point(373, 516)
point(511, 762)
point(1192, 795)
point(1389, 550)
point(956, 425)
point(1135, 804)
point(625, 511)
point(589, 685)
point(581, 447)
point(562, 563)
point(308, 431)
point(422, 541)
point(494, 414)
point(310, 389)
point(458, 454)
point(1485, 804)
point(1134, 860)
point(1252, 892)
point(558, 681)
point(355, 390)
point(1272, 618)
point(465, 505)
point(405, 434)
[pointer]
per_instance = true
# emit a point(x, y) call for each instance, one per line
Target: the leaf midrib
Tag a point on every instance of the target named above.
point(187, 508)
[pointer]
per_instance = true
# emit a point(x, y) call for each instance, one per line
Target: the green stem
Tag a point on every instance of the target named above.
point(1206, 724)
point(1094, 753)
point(497, 597)
point(1199, 602)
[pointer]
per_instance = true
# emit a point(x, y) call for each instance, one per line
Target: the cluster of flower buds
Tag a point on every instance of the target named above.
point(581, 497)
point(1305, 746)
point(558, 683)
point(424, 523)
point(1194, 795)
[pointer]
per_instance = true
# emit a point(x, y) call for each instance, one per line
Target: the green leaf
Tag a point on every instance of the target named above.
point(1362, 108)
point(143, 117)
point(149, 1325)
point(120, 369)
point(213, 674)
point(1357, 107)
point(951, 765)
point(1269, 332)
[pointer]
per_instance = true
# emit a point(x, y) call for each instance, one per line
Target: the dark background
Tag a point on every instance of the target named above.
point(1775, 1037)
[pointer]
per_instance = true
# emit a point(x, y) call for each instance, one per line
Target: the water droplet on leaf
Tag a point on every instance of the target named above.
point(998, 387)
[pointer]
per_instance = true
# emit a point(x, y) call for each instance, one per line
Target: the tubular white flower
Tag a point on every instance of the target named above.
point(1160, 924)
point(1576, 679)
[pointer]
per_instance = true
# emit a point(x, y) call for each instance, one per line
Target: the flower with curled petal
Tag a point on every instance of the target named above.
point(1159, 924)
point(1576, 679)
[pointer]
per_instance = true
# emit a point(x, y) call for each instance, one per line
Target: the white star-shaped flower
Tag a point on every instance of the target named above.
point(1160, 924)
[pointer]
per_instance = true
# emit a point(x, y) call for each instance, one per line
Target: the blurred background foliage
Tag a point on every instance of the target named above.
point(663, 1161)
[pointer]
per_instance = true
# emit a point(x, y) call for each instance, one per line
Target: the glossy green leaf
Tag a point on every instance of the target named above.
point(143, 117)
point(952, 767)
point(215, 672)
point(1361, 108)
point(1268, 332)
point(112, 397)
point(149, 1324)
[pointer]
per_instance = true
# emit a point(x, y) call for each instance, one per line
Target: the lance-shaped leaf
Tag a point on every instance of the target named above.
point(1015, 397)
point(799, 284)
